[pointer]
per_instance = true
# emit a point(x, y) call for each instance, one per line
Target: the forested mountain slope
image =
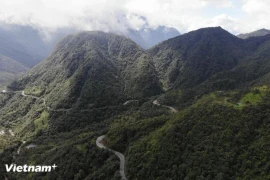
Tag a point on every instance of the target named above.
point(93, 69)
point(211, 59)
point(84, 82)
point(189, 59)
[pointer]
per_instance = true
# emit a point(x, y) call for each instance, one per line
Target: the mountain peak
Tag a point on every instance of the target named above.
point(92, 66)
point(213, 35)
point(212, 31)
point(260, 32)
point(193, 57)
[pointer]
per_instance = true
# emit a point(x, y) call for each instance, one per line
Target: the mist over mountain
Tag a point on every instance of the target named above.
point(23, 44)
point(29, 44)
point(147, 37)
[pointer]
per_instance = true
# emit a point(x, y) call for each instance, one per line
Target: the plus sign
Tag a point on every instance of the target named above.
point(54, 166)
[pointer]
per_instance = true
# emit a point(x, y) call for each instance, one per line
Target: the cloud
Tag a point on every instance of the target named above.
point(219, 3)
point(257, 14)
point(119, 15)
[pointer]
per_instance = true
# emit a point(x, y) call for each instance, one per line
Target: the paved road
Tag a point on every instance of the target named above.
point(35, 97)
point(11, 132)
point(120, 156)
point(23, 94)
point(171, 108)
point(19, 149)
point(129, 101)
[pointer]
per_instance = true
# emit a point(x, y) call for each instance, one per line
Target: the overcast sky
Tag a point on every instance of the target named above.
point(236, 16)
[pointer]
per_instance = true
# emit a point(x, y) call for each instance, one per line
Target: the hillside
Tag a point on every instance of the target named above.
point(9, 69)
point(93, 69)
point(211, 59)
point(260, 32)
point(90, 73)
point(251, 70)
point(85, 80)
point(216, 138)
point(190, 59)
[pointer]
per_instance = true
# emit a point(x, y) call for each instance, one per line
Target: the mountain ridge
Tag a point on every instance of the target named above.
point(192, 51)
point(260, 32)
point(88, 52)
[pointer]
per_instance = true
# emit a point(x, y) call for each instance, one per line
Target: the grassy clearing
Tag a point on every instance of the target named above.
point(35, 90)
point(255, 96)
point(42, 122)
point(235, 99)
point(81, 147)
point(251, 98)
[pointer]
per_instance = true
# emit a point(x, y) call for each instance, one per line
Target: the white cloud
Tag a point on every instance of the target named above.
point(257, 15)
point(219, 3)
point(118, 15)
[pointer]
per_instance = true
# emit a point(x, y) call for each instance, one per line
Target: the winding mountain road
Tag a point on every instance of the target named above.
point(155, 102)
point(19, 149)
point(120, 156)
point(25, 95)
point(34, 97)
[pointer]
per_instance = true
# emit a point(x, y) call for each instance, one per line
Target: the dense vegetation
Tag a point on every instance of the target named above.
point(76, 155)
point(216, 138)
point(218, 82)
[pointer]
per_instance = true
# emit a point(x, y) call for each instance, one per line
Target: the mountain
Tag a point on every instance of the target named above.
point(93, 67)
point(28, 45)
point(9, 69)
point(148, 37)
point(23, 44)
point(251, 70)
point(188, 60)
point(224, 124)
point(84, 81)
point(260, 32)
point(92, 70)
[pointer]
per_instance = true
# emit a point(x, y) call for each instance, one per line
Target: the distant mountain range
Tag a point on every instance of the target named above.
point(23, 44)
point(260, 32)
point(147, 37)
point(10, 69)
